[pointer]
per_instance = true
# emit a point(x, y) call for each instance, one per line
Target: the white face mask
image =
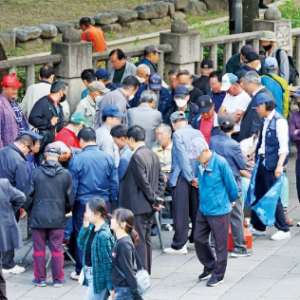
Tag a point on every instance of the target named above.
point(130, 97)
point(180, 103)
point(258, 67)
point(141, 80)
point(98, 98)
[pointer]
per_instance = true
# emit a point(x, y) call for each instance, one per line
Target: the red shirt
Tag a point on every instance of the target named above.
point(206, 126)
point(68, 137)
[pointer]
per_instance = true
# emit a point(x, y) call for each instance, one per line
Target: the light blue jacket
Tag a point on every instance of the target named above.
point(217, 187)
point(182, 139)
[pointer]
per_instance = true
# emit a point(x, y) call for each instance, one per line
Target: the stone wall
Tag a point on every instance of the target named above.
point(117, 20)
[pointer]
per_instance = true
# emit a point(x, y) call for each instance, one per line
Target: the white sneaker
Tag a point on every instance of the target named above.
point(256, 232)
point(183, 250)
point(280, 235)
point(298, 224)
point(190, 246)
point(74, 276)
point(15, 270)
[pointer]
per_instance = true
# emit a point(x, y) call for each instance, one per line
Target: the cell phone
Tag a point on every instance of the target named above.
point(156, 203)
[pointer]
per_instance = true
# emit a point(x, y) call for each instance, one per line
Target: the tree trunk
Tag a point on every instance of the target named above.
point(250, 12)
point(3, 72)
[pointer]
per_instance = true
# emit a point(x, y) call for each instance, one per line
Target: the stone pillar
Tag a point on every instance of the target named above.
point(186, 47)
point(282, 28)
point(76, 56)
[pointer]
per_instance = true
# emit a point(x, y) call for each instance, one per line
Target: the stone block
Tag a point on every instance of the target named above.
point(272, 13)
point(8, 39)
point(28, 33)
point(71, 35)
point(187, 47)
point(106, 18)
point(158, 22)
point(179, 15)
point(195, 8)
point(179, 26)
point(112, 27)
point(48, 31)
point(152, 10)
point(138, 24)
point(125, 15)
point(61, 27)
point(179, 4)
point(217, 4)
point(76, 57)
point(171, 9)
point(31, 44)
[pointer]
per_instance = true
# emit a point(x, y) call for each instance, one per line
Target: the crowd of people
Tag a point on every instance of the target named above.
point(93, 181)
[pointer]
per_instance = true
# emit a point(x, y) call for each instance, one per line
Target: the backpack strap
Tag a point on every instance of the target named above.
point(277, 55)
point(86, 36)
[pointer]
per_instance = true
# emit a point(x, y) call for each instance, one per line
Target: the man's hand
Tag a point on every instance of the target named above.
point(296, 131)
point(158, 206)
point(165, 178)
point(112, 294)
point(23, 213)
point(54, 121)
point(194, 182)
point(232, 204)
point(86, 221)
point(278, 171)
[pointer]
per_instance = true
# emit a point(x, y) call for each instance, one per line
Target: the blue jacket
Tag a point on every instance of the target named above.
point(217, 187)
point(125, 158)
point(182, 139)
point(94, 174)
point(147, 62)
point(165, 101)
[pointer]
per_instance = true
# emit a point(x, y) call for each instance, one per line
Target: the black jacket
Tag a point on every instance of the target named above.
point(193, 113)
point(42, 113)
point(251, 121)
point(13, 166)
point(49, 196)
point(142, 183)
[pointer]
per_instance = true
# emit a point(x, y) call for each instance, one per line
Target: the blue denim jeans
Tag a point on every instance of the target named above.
point(123, 293)
point(103, 295)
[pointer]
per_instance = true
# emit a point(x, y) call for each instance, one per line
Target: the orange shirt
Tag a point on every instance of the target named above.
point(96, 37)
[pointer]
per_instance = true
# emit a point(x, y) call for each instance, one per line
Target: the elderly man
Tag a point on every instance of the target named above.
point(121, 68)
point(11, 200)
point(184, 184)
point(88, 105)
point(13, 166)
point(142, 73)
point(151, 57)
point(268, 42)
point(104, 76)
point(111, 116)
point(173, 82)
point(202, 83)
point(215, 82)
point(12, 118)
point(252, 62)
point(118, 97)
point(235, 102)
point(182, 103)
point(47, 114)
point(251, 121)
point(146, 116)
point(92, 34)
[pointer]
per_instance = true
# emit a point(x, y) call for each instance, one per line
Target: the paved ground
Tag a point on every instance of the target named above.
point(272, 272)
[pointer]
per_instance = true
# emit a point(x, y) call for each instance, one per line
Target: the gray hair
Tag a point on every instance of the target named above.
point(58, 85)
point(63, 146)
point(148, 96)
point(252, 77)
point(165, 126)
point(51, 154)
point(144, 68)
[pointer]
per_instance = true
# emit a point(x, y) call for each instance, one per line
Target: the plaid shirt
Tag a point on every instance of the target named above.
point(101, 255)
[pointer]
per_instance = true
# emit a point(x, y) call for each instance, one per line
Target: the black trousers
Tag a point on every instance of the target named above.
point(264, 181)
point(185, 202)
point(143, 224)
point(2, 282)
point(298, 177)
point(219, 226)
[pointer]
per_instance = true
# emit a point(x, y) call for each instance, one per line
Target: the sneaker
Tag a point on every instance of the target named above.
point(214, 282)
point(256, 232)
point(74, 276)
point(190, 246)
point(242, 252)
point(183, 250)
point(15, 270)
point(263, 6)
point(59, 284)
point(39, 283)
point(298, 224)
point(205, 275)
point(280, 235)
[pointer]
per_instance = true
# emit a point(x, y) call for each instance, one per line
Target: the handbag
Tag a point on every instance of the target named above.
point(142, 276)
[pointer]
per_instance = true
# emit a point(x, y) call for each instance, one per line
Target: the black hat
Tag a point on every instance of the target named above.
point(251, 56)
point(205, 103)
point(226, 121)
point(206, 64)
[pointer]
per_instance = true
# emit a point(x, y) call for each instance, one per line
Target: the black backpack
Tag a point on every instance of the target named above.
point(293, 71)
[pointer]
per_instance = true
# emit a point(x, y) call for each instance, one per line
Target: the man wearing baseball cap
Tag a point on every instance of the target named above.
point(235, 102)
point(217, 193)
point(151, 57)
point(13, 121)
point(272, 151)
point(104, 76)
point(202, 83)
point(88, 105)
point(252, 62)
point(268, 42)
point(276, 85)
point(184, 184)
point(111, 116)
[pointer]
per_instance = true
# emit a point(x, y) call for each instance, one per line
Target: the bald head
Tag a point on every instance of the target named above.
point(143, 72)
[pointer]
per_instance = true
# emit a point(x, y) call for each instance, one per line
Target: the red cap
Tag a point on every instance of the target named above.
point(11, 80)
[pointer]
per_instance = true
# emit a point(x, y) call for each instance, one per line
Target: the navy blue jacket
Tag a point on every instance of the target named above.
point(147, 62)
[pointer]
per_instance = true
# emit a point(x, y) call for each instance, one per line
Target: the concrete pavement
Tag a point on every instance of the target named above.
point(272, 272)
